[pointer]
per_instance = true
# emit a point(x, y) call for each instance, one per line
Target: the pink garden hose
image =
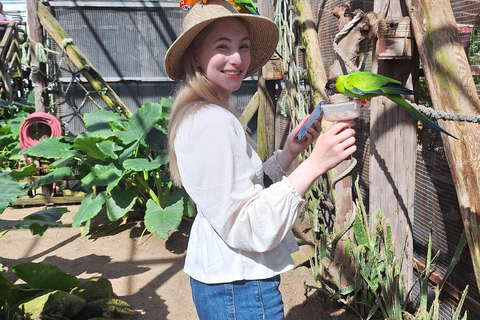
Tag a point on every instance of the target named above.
point(26, 134)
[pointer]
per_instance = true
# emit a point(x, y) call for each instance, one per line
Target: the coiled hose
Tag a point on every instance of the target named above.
point(26, 134)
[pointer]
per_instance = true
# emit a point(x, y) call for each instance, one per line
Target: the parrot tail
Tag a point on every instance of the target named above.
point(405, 105)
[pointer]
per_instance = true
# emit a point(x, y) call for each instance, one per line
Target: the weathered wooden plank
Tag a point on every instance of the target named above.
point(249, 110)
point(46, 201)
point(79, 60)
point(452, 90)
point(393, 154)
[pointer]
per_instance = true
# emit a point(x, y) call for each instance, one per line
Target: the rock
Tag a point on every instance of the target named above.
point(94, 289)
point(56, 303)
point(107, 308)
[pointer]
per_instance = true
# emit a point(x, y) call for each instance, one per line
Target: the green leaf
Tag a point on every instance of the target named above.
point(120, 203)
point(51, 148)
point(45, 276)
point(37, 222)
point(359, 231)
point(89, 147)
point(11, 190)
point(144, 164)
point(53, 177)
point(98, 121)
point(156, 139)
point(89, 208)
point(141, 123)
point(23, 172)
point(160, 221)
point(4, 288)
point(128, 152)
point(101, 175)
point(109, 148)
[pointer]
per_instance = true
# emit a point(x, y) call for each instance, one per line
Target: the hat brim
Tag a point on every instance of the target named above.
point(263, 40)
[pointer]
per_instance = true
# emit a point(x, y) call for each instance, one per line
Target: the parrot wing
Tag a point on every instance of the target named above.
point(398, 99)
point(364, 84)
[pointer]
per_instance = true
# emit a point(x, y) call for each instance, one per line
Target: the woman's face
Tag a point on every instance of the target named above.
point(224, 54)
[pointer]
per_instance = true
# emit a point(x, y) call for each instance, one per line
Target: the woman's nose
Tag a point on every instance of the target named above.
point(236, 58)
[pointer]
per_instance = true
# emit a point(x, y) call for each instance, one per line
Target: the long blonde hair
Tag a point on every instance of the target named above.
point(195, 91)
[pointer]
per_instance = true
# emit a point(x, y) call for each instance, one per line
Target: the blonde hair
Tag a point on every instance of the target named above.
point(195, 91)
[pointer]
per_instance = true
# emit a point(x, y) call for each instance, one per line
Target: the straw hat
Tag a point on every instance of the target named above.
point(263, 35)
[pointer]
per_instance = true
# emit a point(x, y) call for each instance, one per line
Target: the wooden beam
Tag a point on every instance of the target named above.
point(249, 111)
point(452, 90)
point(80, 61)
point(393, 142)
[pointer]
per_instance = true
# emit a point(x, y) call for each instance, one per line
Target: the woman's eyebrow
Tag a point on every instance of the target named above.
point(230, 40)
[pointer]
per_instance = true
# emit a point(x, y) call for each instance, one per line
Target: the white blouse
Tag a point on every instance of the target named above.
point(242, 229)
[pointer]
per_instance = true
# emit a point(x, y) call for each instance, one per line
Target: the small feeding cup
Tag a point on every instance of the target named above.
point(340, 111)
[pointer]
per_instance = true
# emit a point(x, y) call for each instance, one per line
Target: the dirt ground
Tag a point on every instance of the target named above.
point(146, 272)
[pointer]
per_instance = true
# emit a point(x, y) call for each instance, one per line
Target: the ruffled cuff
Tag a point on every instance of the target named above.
point(272, 168)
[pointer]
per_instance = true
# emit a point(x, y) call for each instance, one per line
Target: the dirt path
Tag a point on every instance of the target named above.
point(145, 271)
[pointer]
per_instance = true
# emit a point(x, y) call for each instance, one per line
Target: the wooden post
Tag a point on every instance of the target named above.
point(79, 60)
point(266, 109)
point(36, 34)
point(452, 89)
point(393, 154)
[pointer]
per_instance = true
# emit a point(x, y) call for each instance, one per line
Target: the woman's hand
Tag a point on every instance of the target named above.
point(331, 148)
point(293, 148)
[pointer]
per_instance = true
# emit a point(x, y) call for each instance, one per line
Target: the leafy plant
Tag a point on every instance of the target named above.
point(376, 289)
point(122, 164)
point(38, 278)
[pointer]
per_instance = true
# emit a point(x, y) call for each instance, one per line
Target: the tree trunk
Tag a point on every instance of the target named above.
point(452, 90)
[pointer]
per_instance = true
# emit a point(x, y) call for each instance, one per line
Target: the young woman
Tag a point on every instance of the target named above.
point(241, 239)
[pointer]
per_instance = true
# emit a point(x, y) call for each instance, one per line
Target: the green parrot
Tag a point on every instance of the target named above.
point(366, 85)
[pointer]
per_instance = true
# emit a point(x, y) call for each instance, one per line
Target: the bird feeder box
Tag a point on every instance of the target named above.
point(394, 40)
point(272, 70)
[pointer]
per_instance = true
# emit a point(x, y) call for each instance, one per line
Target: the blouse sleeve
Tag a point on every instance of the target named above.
point(217, 172)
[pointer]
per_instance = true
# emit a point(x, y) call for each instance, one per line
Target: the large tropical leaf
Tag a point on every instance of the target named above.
point(51, 148)
point(120, 203)
point(141, 123)
point(52, 177)
point(89, 208)
point(11, 190)
point(156, 139)
point(4, 288)
point(45, 276)
point(89, 146)
point(161, 221)
point(103, 175)
point(144, 164)
point(37, 222)
point(23, 172)
point(109, 148)
point(98, 122)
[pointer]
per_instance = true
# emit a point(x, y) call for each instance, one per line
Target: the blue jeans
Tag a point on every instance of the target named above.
point(239, 300)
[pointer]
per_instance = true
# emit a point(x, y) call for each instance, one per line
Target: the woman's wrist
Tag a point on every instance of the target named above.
point(285, 159)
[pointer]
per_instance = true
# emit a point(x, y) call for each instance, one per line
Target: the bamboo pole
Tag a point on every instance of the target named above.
point(313, 55)
point(38, 71)
point(452, 90)
point(81, 62)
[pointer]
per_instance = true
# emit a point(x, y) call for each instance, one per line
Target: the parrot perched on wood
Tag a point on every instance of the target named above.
point(366, 85)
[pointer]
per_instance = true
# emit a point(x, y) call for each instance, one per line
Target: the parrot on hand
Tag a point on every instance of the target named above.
point(366, 85)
